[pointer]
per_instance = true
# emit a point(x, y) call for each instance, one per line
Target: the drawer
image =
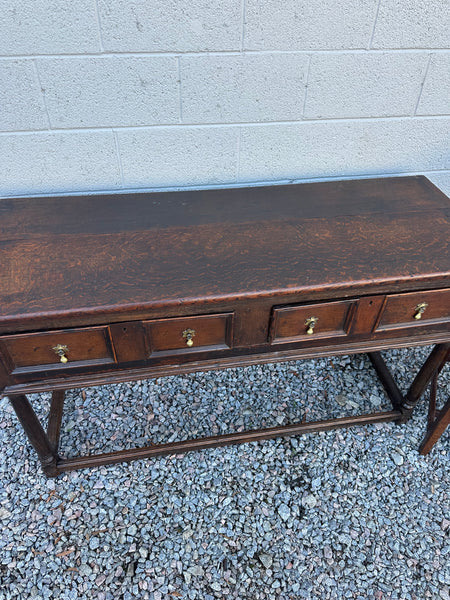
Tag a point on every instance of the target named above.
point(186, 335)
point(415, 310)
point(58, 350)
point(311, 321)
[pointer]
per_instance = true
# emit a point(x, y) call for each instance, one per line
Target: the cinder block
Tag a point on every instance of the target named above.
point(255, 87)
point(308, 24)
point(170, 25)
point(58, 162)
point(412, 24)
point(333, 149)
point(112, 90)
point(48, 27)
point(364, 85)
point(435, 98)
point(442, 180)
point(178, 156)
point(21, 100)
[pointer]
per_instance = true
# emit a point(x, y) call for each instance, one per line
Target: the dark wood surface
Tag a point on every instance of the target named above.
point(119, 279)
point(185, 363)
point(35, 351)
point(144, 285)
point(134, 253)
point(399, 308)
point(291, 323)
point(210, 332)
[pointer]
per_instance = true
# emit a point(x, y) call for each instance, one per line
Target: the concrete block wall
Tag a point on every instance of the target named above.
point(111, 95)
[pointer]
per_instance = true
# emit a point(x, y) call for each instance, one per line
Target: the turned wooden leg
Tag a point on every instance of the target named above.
point(436, 429)
point(36, 434)
point(55, 417)
point(437, 420)
point(432, 402)
point(422, 379)
point(384, 375)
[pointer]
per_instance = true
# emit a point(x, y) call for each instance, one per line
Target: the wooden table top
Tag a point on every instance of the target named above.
point(110, 252)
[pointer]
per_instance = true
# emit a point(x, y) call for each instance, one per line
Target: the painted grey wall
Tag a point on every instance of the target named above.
point(119, 95)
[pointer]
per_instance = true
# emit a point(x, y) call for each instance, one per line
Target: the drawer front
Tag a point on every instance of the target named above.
point(190, 334)
point(312, 321)
point(415, 310)
point(58, 350)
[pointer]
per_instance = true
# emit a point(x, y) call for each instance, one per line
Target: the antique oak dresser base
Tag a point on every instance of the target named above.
point(108, 289)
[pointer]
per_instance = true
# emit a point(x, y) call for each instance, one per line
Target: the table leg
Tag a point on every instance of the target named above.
point(385, 376)
point(422, 379)
point(46, 444)
point(438, 421)
point(55, 417)
point(432, 402)
point(436, 429)
point(36, 434)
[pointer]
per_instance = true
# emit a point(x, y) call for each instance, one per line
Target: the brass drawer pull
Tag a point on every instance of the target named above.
point(61, 351)
point(188, 334)
point(310, 324)
point(420, 309)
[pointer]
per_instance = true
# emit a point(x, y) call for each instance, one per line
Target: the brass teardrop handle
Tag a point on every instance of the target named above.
point(420, 309)
point(310, 323)
point(188, 334)
point(61, 351)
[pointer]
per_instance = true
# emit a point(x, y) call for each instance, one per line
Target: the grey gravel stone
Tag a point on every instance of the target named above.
point(397, 458)
point(310, 501)
point(329, 515)
point(284, 512)
point(266, 560)
point(187, 577)
point(197, 570)
point(94, 543)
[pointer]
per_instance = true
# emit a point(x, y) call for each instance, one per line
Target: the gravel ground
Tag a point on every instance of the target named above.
point(353, 513)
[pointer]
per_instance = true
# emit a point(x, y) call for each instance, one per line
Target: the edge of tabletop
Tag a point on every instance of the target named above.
point(34, 320)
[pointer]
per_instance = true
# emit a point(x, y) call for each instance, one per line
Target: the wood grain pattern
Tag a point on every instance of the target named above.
point(137, 263)
point(113, 253)
point(222, 360)
point(289, 323)
point(400, 309)
point(118, 278)
point(35, 351)
point(209, 333)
